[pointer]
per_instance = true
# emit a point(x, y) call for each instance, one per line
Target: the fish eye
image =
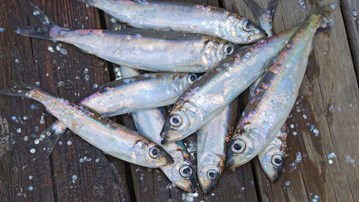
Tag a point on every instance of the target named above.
point(155, 152)
point(212, 174)
point(175, 120)
point(238, 146)
point(185, 171)
point(228, 49)
point(277, 160)
point(247, 26)
point(192, 78)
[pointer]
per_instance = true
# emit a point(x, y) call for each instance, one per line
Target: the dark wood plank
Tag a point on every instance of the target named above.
point(75, 170)
point(350, 9)
point(324, 120)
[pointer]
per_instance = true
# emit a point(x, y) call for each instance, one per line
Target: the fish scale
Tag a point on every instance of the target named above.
point(275, 95)
point(182, 17)
point(218, 87)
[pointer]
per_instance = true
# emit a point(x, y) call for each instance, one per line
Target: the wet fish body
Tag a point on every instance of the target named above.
point(182, 17)
point(159, 51)
point(207, 97)
point(211, 141)
point(149, 123)
point(274, 97)
point(104, 134)
point(139, 92)
point(273, 155)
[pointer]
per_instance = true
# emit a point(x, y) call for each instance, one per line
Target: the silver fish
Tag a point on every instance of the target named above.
point(207, 97)
point(211, 140)
point(149, 123)
point(182, 17)
point(106, 135)
point(275, 95)
point(273, 155)
point(157, 51)
point(139, 92)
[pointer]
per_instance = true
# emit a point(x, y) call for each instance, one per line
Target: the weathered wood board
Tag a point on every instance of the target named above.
point(65, 71)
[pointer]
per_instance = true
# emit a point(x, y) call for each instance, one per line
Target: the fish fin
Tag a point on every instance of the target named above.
point(264, 15)
point(49, 32)
point(17, 89)
point(324, 10)
point(259, 11)
point(41, 16)
point(53, 134)
point(255, 7)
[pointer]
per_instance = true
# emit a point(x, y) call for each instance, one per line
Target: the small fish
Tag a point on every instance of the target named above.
point(275, 95)
point(208, 96)
point(273, 155)
point(106, 135)
point(182, 17)
point(211, 140)
point(151, 50)
point(149, 123)
point(139, 92)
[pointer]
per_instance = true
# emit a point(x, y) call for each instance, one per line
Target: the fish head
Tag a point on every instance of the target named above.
point(150, 154)
point(189, 79)
point(272, 157)
point(244, 31)
point(182, 174)
point(179, 124)
point(208, 173)
point(272, 164)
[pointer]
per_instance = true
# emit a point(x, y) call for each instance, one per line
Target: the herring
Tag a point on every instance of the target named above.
point(157, 51)
point(149, 123)
point(106, 135)
point(272, 157)
point(208, 96)
point(182, 17)
point(211, 141)
point(275, 95)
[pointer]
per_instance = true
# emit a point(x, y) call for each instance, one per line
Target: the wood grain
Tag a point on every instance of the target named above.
point(63, 177)
point(324, 120)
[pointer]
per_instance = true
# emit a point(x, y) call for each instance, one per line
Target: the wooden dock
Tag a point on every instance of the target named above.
point(323, 154)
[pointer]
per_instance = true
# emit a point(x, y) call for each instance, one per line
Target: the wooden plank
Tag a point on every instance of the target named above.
point(350, 9)
point(323, 121)
point(75, 170)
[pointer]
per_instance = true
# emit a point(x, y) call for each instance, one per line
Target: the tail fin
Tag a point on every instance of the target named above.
point(52, 137)
point(49, 32)
point(264, 15)
point(323, 11)
point(18, 89)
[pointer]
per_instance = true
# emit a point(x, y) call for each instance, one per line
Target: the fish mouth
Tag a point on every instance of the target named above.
point(206, 184)
point(171, 136)
point(274, 174)
point(188, 185)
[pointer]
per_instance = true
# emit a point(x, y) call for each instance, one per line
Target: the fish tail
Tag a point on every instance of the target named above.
point(50, 31)
point(17, 89)
point(24, 90)
point(259, 11)
point(264, 15)
point(323, 10)
point(53, 134)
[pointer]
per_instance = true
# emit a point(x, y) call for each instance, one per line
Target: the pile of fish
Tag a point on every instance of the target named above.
point(205, 57)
